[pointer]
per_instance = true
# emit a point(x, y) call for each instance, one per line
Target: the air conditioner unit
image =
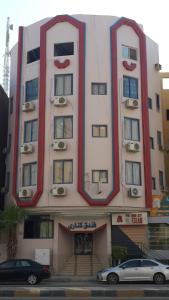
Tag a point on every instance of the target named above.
point(134, 192)
point(25, 192)
point(132, 103)
point(26, 148)
point(133, 146)
point(59, 101)
point(158, 67)
point(59, 145)
point(28, 106)
point(58, 191)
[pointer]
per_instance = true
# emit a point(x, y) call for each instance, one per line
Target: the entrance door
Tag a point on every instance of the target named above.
point(83, 244)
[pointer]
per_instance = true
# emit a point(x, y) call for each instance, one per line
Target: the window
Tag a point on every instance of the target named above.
point(130, 87)
point(161, 179)
point(158, 101)
point(131, 264)
point(30, 131)
point(159, 138)
point(33, 55)
point(63, 49)
point(63, 127)
point(8, 264)
point(133, 173)
point(167, 114)
point(131, 129)
point(100, 176)
point(151, 142)
point(11, 105)
point(158, 236)
point(32, 89)
point(29, 174)
point(150, 104)
point(38, 227)
point(99, 88)
point(23, 263)
point(63, 85)
point(62, 171)
point(99, 130)
point(148, 263)
point(129, 53)
point(153, 183)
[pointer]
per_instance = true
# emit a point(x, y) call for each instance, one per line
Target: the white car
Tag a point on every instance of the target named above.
point(135, 270)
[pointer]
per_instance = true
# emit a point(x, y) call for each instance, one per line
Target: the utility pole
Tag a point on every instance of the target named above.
point(6, 58)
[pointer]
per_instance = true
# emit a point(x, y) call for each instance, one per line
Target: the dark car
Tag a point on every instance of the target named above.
point(23, 270)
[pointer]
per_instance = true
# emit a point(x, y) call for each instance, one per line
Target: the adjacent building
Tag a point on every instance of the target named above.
point(86, 132)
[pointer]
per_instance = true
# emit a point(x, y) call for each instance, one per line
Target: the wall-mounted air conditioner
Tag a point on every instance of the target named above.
point(28, 106)
point(25, 192)
point(59, 145)
point(59, 101)
point(134, 192)
point(158, 67)
point(58, 191)
point(132, 103)
point(27, 148)
point(133, 146)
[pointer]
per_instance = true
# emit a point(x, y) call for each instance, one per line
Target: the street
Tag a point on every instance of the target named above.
point(89, 298)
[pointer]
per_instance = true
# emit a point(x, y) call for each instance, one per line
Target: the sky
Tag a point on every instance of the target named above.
point(153, 15)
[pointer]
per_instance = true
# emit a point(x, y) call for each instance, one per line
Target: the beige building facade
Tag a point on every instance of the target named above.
point(82, 158)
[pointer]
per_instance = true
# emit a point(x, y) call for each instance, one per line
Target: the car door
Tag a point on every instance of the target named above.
point(130, 271)
point(7, 270)
point(23, 268)
point(148, 269)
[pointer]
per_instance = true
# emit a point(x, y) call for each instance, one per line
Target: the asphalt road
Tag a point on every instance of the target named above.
point(90, 298)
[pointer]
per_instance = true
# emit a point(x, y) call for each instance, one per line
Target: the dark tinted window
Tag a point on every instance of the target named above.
point(131, 264)
point(150, 106)
point(38, 227)
point(31, 89)
point(148, 263)
point(7, 264)
point(33, 55)
point(63, 49)
point(167, 114)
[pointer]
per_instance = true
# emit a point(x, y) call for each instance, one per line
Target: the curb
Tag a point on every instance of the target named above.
point(81, 292)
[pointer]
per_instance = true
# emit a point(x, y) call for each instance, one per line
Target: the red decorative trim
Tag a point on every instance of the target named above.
point(62, 65)
point(143, 98)
point(128, 67)
point(16, 137)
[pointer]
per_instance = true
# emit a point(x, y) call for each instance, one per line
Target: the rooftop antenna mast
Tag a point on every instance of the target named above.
point(6, 58)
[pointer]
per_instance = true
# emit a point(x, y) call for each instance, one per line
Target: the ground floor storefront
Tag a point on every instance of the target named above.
point(56, 240)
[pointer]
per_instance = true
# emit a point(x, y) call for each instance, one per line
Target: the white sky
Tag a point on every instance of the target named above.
point(152, 14)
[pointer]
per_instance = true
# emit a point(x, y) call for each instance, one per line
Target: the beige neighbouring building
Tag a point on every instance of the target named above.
point(81, 161)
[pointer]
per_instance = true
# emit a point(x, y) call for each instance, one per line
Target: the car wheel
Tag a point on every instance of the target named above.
point(32, 279)
point(159, 278)
point(112, 278)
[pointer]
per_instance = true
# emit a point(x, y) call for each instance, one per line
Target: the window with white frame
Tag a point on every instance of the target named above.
point(99, 88)
point(99, 130)
point(100, 176)
point(29, 174)
point(128, 52)
point(63, 84)
point(131, 129)
point(62, 171)
point(133, 173)
point(130, 87)
point(30, 131)
point(63, 127)
point(31, 90)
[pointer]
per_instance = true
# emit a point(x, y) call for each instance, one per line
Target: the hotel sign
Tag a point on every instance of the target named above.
point(82, 225)
point(129, 218)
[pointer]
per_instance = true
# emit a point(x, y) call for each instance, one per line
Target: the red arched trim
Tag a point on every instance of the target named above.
point(62, 65)
point(129, 67)
point(143, 98)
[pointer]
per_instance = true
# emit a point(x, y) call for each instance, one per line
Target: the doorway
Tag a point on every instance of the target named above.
point(83, 243)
